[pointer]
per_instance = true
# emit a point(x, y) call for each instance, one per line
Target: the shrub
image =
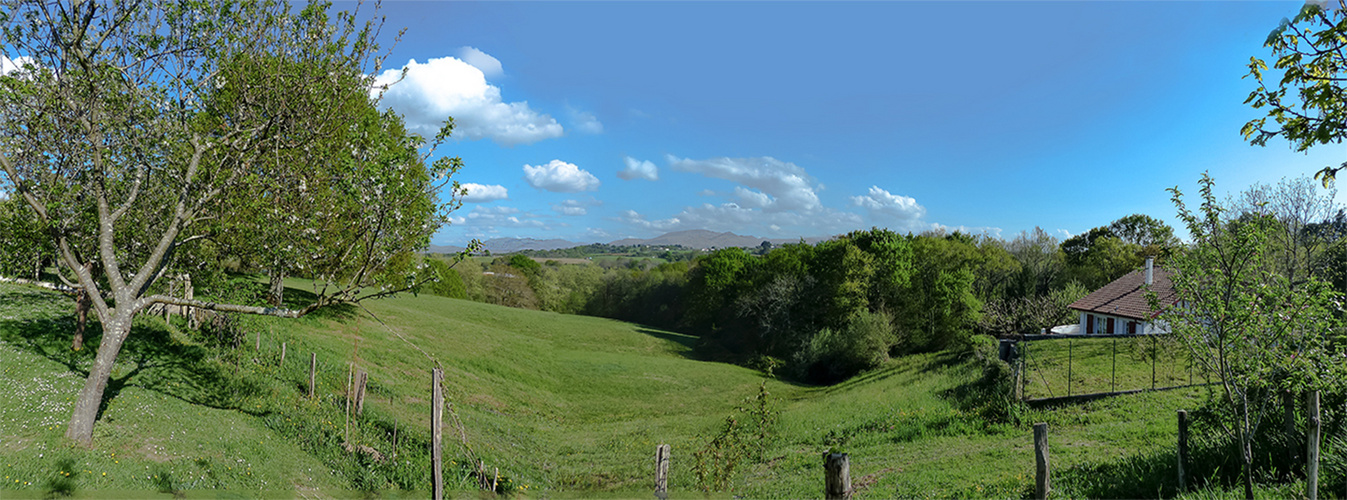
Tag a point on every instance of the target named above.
point(835, 355)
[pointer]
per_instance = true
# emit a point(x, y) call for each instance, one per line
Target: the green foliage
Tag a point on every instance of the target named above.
point(1308, 104)
point(1244, 322)
point(524, 264)
point(992, 395)
point(743, 436)
point(448, 283)
point(832, 356)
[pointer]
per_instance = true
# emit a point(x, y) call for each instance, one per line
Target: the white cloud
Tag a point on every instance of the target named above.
point(585, 121)
point(742, 220)
point(570, 207)
point(8, 65)
point(481, 193)
point(1065, 234)
point(489, 66)
point(902, 212)
point(786, 185)
point(449, 87)
point(994, 232)
point(489, 220)
point(638, 169)
point(559, 176)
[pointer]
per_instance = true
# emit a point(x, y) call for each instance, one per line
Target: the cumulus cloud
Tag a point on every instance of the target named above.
point(481, 193)
point(571, 207)
point(785, 185)
point(489, 66)
point(447, 86)
point(559, 176)
point(901, 211)
point(638, 169)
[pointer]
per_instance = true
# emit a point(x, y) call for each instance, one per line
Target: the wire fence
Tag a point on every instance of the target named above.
point(1073, 366)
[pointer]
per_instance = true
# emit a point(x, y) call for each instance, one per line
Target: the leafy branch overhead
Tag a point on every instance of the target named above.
point(1307, 105)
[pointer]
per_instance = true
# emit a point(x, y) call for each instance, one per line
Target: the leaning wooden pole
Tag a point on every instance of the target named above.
point(436, 434)
point(313, 374)
point(1042, 468)
point(1312, 445)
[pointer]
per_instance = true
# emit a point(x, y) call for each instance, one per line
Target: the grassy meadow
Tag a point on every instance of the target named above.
point(561, 406)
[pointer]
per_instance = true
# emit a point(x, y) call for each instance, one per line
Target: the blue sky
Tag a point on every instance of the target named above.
point(602, 120)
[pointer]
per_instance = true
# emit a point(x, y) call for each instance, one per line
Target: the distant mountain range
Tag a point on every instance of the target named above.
point(695, 238)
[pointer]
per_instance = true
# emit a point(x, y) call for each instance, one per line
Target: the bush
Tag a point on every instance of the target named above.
point(835, 355)
point(450, 283)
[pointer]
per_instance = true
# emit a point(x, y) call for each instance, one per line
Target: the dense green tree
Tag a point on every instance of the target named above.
point(940, 308)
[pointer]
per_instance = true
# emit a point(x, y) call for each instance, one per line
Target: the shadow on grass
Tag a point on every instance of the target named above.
point(296, 298)
point(688, 342)
point(151, 358)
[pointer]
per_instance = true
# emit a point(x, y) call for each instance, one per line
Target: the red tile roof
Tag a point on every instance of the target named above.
point(1126, 296)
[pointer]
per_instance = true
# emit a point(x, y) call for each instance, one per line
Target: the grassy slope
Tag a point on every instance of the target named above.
point(557, 403)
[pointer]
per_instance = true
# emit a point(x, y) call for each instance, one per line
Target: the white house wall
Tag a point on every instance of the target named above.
point(1120, 325)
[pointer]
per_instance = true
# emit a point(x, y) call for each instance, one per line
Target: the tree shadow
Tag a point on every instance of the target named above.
point(296, 298)
point(152, 358)
point(687, 343)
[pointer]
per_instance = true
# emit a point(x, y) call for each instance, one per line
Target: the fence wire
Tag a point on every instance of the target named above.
point(1067, 366)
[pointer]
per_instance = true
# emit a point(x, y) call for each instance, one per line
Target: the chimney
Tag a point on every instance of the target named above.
point(1150, 270)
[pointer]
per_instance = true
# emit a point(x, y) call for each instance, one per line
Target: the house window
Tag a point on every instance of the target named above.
point(1110, 326)
point(1131, 328)
point(1089, 323)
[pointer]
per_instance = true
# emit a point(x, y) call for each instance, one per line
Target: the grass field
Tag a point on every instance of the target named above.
point(1097, 365)
point(563, 406)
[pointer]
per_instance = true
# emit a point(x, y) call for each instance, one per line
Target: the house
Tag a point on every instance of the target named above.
point(1121, 307)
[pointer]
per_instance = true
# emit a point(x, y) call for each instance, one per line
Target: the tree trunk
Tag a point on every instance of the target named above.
point(81, 426)
point(82, 305)
point(276, 297)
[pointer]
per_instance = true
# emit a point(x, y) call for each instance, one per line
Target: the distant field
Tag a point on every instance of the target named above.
point(564, 406)
point(562, 260)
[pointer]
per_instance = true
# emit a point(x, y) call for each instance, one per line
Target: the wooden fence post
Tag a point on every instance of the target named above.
point(1042, 469)
point(436, 434)
point(313, 374)
point(258, 347)
point(836, 476)
point(1183, 449)
point(282, 354)
point(1312, 465)
point(361, 378)
point(662, 471)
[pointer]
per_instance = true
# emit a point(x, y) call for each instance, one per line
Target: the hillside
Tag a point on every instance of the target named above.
point(563, 404)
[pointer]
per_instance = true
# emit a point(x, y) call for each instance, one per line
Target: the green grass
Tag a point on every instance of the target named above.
point(563, 406)
point(1104, 365)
